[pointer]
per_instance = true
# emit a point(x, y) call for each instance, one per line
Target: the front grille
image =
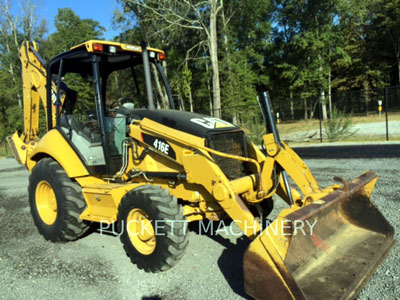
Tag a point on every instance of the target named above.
point(231, 143)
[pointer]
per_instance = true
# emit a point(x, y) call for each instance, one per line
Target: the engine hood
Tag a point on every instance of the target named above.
point(192, 123)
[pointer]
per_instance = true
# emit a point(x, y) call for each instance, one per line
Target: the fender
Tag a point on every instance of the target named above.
point(54, 144)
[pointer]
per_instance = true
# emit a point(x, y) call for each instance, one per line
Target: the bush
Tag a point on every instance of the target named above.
point(5, 149)
point(339, 127)
point(254, 127)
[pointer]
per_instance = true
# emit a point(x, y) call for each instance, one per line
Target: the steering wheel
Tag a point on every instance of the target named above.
point(120, 101)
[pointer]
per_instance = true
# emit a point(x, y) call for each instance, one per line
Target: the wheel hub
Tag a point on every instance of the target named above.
point(141, 231)
point(46, 202)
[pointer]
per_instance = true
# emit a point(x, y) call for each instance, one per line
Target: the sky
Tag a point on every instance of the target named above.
point(100, 10)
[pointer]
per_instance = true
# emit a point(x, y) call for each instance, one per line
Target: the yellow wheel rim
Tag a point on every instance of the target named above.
point(141, 231)
point(46, 202)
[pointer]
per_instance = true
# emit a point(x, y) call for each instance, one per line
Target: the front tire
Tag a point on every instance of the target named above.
point(56, 202)
point(153, 228)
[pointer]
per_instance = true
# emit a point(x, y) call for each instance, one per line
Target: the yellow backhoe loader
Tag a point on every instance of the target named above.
point(115, 150)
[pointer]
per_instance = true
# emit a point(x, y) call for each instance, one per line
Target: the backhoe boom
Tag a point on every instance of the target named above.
point(34, 88)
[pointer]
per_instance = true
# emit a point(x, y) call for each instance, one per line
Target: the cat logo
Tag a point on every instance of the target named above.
point(211, 123)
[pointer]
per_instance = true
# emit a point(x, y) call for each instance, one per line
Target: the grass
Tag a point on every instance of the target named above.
point(5, 149)
point(296, 126)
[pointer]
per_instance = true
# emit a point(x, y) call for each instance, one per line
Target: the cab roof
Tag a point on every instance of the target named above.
point(90, 46)
point(113, 55)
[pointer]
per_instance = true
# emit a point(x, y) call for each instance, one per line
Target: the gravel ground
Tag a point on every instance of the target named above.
point(378, 128)
point(96, 267)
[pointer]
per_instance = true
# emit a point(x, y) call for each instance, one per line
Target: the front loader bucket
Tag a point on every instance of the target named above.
point(326, 250)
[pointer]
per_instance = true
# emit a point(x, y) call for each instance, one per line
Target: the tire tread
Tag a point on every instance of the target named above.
point(70, 227)
point(167, 209)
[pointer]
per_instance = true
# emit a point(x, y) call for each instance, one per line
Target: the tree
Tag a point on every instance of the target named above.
point(9, 42)
point(71, 30)
point(296, 49)
point(305, 40)
point(244, 39)
point(385, 30)
point(361, 69)
point(198, 17)
point(13, 30)
point(289, 62)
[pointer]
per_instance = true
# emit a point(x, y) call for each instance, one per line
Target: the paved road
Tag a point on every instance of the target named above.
point(327, 151)
point(96, 266)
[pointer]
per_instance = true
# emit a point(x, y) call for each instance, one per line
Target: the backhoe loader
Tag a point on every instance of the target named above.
point(113, 149)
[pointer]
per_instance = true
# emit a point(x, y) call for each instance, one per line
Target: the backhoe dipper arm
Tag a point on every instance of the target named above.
point(34, 87)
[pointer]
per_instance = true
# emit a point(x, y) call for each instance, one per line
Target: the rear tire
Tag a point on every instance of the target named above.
point(164, 240)
point(56, 202)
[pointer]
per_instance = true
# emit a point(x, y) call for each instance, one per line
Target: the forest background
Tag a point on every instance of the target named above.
point(220, 54)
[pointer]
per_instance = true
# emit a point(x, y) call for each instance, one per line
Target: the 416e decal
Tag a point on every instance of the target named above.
point(160, 144)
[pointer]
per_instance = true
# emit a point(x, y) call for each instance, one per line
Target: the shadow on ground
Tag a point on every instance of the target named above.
point(231, 260)
point(349, 151)
point(231, 263)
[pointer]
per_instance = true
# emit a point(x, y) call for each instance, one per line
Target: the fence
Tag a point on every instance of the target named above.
point(366, 107)
point(356, 102)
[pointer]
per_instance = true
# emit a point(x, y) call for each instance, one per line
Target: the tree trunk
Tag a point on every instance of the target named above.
point(398, 67)
point(229, 81)
point(322, 91)
point(330, 93)
point(211, 108)
point(234, 118)
point(323, 105)
point(12, 26)
point(191, 100)
point(188, 83)
point(305, 109)
point(312, 109)
point(209, 89)
point(181, 102)
point(160, 89)
point(366, 96)
point(291, 105)
point(164, 65)
point(214, 58)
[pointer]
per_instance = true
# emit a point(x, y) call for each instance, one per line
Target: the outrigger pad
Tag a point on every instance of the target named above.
point(332, 259)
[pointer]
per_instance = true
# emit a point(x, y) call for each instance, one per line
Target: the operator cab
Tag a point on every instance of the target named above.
point(95, 89)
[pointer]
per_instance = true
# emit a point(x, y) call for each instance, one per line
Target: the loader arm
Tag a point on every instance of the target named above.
point(288, 161)
point(327, 244)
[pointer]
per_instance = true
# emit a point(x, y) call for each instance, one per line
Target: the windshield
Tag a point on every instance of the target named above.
point(127, 85)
